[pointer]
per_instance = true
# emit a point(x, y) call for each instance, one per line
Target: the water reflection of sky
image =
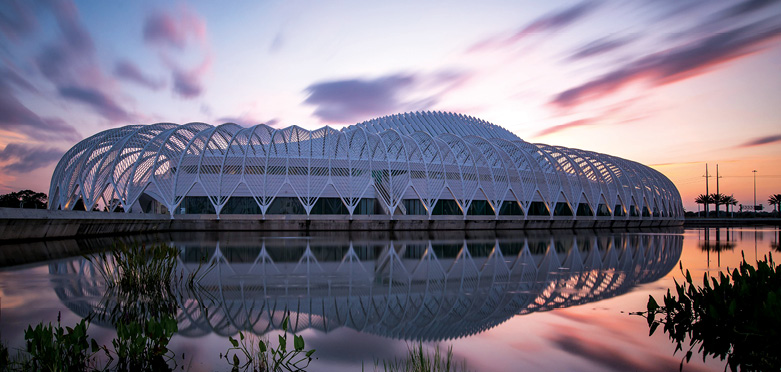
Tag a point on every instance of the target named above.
point(508, 302)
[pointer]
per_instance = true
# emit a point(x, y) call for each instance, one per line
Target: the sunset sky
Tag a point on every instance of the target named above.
point(670, 84)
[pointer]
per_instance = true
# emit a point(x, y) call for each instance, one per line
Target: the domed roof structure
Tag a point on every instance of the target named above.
point(426, 164)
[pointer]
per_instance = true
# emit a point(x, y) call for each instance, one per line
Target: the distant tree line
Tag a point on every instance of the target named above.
point(728, 200)
point(24, 199)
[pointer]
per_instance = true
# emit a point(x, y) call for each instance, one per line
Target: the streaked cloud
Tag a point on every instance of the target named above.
point(71, 64)
point(15, 116)
point(762, 141)
point(568, 125)
point(18, 158)
point(130, 72)
point(571, 341)
point(599, 47)
point(747, 6)
point(352, 100)
point(677, 63)
point(547, 23)
point(98, 101)
point(16, 19)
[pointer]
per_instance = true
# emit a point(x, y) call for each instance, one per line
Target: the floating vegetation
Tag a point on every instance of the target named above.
point(734, 317)
point(422, 361)
point(244, 356)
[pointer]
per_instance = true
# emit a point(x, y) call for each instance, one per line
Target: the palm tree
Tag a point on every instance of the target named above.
point(775, 201)
point(730, 200)
point(704, 199)
point(718, 199)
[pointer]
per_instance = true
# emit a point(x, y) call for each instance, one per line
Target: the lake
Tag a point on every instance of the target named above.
point(504, 301)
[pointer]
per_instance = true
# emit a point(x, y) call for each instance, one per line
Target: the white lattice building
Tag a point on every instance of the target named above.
point(426, 164)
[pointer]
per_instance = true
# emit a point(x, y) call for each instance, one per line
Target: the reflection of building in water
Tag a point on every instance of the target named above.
point(409, 289)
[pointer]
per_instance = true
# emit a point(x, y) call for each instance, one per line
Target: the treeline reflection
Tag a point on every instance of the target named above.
point(416, 286)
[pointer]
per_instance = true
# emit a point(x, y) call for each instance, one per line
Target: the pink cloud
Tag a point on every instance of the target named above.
point(561, 127)
point(179, 31)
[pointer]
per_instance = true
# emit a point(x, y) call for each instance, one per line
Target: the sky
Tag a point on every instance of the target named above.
point(670, 84)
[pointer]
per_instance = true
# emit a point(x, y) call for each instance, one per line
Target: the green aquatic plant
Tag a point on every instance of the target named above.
point(733, 317)
point(139, 302)
point(244, 356)
point(136, 347)
point(144, 347)
point(418, 360)
point(143, 270)
point(54, 348)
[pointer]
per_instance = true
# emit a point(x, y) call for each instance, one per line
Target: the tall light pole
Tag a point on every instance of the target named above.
point(707, 192)
point(755, 191)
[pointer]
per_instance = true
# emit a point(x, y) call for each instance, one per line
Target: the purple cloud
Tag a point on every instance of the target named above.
point(16, 116)
point(599, 47)
point(70, 25)
point(26, 158)
point(559, 19)
point(676, 63)
point(186, 84)
point(162, 28)
point(745, 7)
point(72, 57)
point(353, 100)
point(17, 80)
point(550, 22)
point(762, 141)
point(130, 72)
point(71, 62)
point(16, 19)
point(98, 101)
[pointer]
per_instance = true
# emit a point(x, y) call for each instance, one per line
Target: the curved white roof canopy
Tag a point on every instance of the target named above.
point(425, 156)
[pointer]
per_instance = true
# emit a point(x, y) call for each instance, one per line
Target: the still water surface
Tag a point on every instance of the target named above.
point(555, 301)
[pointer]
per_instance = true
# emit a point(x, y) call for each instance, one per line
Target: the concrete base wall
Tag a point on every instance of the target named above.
point(29, 224)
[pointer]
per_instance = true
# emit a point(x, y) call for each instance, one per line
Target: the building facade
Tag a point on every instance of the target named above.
point(428, 165)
